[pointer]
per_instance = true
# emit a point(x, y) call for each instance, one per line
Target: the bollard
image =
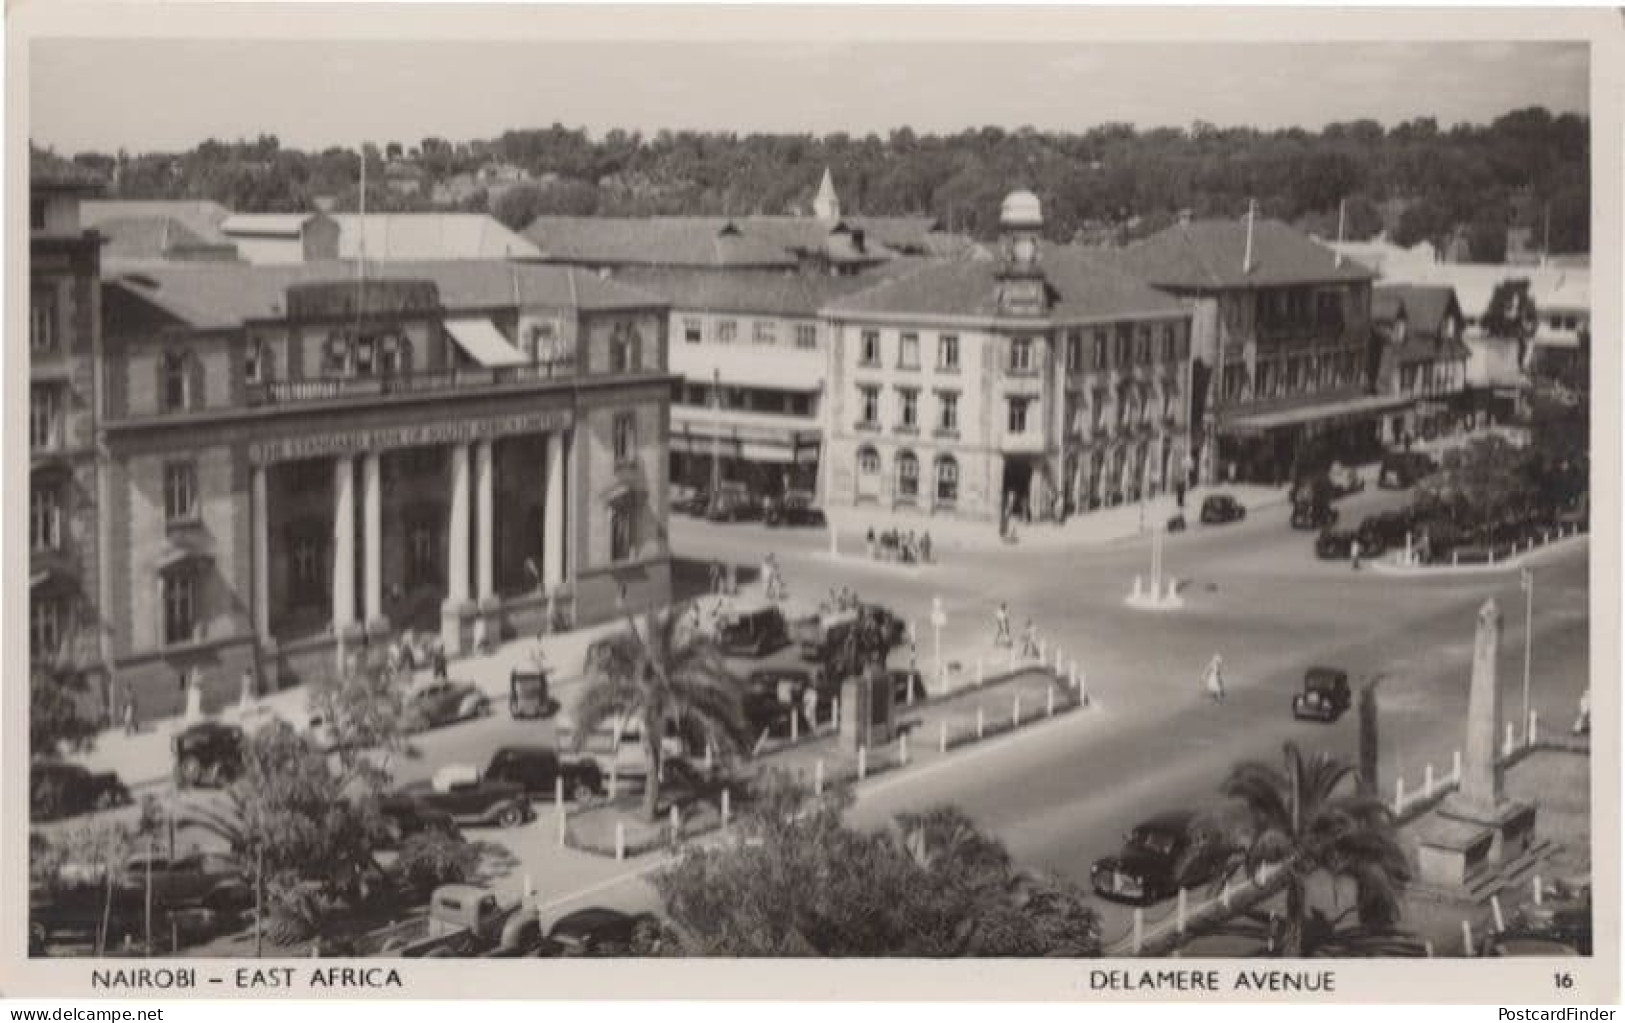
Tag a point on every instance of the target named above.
point(1506, 741)
point(1537, 893)
point(1224, 895)
point(1399, 795)
point(863, 762)
point(620, 840)
point(1073, 674)
point(1427, 782)
point(942, 737)
point(1455, 558)
point(1534, 729)
point(614, 780)
point(1492, 554)
point(1015, 713)
point(1049, 702)
point(725, 803)
point(795, 725)
point(676, 825)
point(1427, 947)
point(710, 754)
point(902, 749)
point(818, 777)
point(835, 713)
point(1455, 766)
point(1059, 660)
point(564, 824)
point(1083, 688)
point(1139, 929)
point(558, 791)
point(1467, 937)
point(1495, 908)
point(1180, 920)
point(981, 723)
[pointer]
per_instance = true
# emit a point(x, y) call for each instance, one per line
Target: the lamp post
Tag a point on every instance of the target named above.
point(939, 619)
point(1526, 579)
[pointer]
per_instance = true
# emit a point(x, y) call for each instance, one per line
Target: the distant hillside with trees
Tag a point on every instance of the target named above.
point(1527, 169)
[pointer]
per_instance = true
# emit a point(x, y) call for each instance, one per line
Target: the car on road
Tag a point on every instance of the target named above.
point(596, 649)
point(405, 816)
point(1386, 530)
point(1555, 926)
point(732, 502)
point(207, 753)
point(538, 769)
point(1401, 469)
point(443, 702)
point(754, 630)
point(598, 930)
point(690, 501)
point(209, 880)
point(471, 799)
point(795, 508)
point(1159, 856)
point(1218, 509)
point(1335, 544)
point(528, 695)
point(58, 788)
point(1324, 697)
point(1313, 515)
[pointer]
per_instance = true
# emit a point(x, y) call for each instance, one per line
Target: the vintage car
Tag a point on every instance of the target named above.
point(207, 753)
point(57, 788)
point(1401, 469)
point(470, 799)
point(732, 502)
point(1336, 544)
point(774, 694)
point(209, 880)
point(754, 630)
point(1159, 856)
point(405, 816)
point(597, 930)
point(1221, 508)
point(690, 501)
point(1313, 515)
point(528, 695)
point(538, 770)
point(795, 508)
point(442, 702)
point(1386, 531)
point(1325, 695)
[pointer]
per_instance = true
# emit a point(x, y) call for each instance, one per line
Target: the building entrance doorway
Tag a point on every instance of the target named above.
point(1016, 492)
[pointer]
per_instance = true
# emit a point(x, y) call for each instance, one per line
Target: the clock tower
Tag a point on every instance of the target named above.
point(1023, 290)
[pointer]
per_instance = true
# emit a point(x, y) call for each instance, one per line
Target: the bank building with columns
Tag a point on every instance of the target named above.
point(301, 459)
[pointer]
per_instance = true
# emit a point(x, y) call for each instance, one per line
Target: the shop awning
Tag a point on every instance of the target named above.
point(480, 339)
point(1313, 412)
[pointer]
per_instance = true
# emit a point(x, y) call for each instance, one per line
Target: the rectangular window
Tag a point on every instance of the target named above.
point(947, 481)
point(1074, 351)
point(1021, 355)
point(908, 351)
point(947, 412)
point(365, 351)
point(44, 518)
point(763, 332)
point(870, 407)
point(727, 331)
point(626, 438)
point(175, 370)
point(180, 607)
point(910, 413)
point(42, 320)
point(869, 353)
point(1142, 346)
point(948, 353)
point(691, 332)
point(620, 534)
point(44, 417)
point(1100, 350)
point(1017, 421)
point(908, 477)
point(44, 628)
point(180, 492)
point(806, 335)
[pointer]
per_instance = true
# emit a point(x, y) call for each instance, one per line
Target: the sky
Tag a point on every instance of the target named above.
point(169, 94)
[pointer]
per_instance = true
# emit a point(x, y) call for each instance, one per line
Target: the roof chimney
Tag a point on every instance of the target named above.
point(1247, 256)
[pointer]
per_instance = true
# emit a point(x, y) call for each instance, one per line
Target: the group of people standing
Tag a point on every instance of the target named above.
point(895, 545)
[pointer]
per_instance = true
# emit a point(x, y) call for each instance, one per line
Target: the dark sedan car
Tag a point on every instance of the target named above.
point(1313, 515)
point(208, 753)
point(57, 788)
point(1335, 544)
point(732, 503)
point(441, 703)
point(1221, 508)
point(1159, 856)
point(1561, 927)
point(692, 503)
point(539, 768)
point(471, 799)
point(405, 816)
point(598, 930)
point(795, 508)
point(1325, 695)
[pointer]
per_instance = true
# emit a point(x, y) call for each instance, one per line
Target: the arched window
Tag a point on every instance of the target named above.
point(868, 461)
point(947, 480)
point(908, 476)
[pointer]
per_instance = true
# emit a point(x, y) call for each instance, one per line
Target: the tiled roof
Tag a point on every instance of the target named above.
point(48, 170)
point(225, 295)
point(1208, 254)
point(786, 293)
point(1423, 306)
point(652, 241)
point(1084, 285)
point(430, 236)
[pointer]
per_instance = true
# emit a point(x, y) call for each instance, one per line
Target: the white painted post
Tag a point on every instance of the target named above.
point(795, 725)
point(863, 762)
point(1427, 781)
point(1467, 937)
point(710, 755)
point(902, 749)
point(725, 807)
point(1049, 702)
point(1139, 929)
point(676, 824)
point(558, 791)
point(1534, 729)
point(1537, 892)
point(614, 779)
point(1180, 920)
point(563, 813)
point(1455, 558)
point(1427, 946)
point(1492, 554)
point(818, 777)
point(1455, 766)
point(1073, 674)
point(1500, 920)
point(1083, 688)
point(981, 723)
point(1059, 660)
point(1015, 713)
point(1224, 895)
point(620, 840)
point(942, 736)
point(1506, 741)
point(1399, 795)
point(835, 713)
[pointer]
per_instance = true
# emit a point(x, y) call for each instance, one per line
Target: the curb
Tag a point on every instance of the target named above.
point(1484, 568)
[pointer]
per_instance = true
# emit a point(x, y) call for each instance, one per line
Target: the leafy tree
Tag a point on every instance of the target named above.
point(662, 673)
point(1308, 818)
point(803, 883)
point(56, 713)
point(1481, 483)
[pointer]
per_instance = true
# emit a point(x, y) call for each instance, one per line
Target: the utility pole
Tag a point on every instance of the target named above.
point(1526, 577)
point(716, 433)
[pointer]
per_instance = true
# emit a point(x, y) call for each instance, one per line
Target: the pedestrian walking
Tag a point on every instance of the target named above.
point(131, 721)
point(1354, 554)
point(1029, 639)
point(716, 577)
point(870, 540)
point(439, 663)
point(925, 547)
point(809, 706)
point(1582, 721)
point(1179, 494)
point(1213, 679)
point(1001, 626)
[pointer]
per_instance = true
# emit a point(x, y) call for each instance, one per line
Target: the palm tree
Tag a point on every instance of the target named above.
point(660, 674)
point(1306, 820)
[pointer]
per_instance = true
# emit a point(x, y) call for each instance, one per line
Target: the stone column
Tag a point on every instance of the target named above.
point(344, 621)
point(1481, 780)
point(456, 606)
point(262, 555)
point(485, 544)
point(372, 544)
point(553, 568)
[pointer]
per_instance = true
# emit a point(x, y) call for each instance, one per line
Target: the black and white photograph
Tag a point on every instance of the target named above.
point(711, 494)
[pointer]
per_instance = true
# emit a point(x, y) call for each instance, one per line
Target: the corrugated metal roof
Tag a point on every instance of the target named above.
point(429, 236)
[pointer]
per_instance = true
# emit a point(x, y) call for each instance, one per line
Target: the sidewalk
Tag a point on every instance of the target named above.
point(1103, 526)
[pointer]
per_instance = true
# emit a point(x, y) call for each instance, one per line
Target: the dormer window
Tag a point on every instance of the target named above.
point(176, 386)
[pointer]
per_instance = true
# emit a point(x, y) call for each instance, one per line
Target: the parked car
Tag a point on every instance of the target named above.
point(207, 753)
point(1313, 515)
point(813, 631)
point(1221, 508)
point(1335, 544)
point(470, 799)
point(907, 685)
point(690, 501)
point(1159, 856)
point(752, 631)
point(406, 816)
point(1386, 530)
point(595, 650)
point(598, 930)
point(443, 702)
point(795, 508)
point(1344, 480)
point(57, 788)
point(732, 502)
point(1325, 695)
point(208, 880)
point(625, 758)
point(1559, 927)
point(538, 768)
point(528, 695)
point(1401, 469)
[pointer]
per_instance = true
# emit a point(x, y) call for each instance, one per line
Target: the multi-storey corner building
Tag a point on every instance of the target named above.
point(1421, 356)
point(67, 628)
point(1281, 343)
point(303, 458)
point(1039, 379)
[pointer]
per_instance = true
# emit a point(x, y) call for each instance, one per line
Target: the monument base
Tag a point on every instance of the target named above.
point(1461, 842)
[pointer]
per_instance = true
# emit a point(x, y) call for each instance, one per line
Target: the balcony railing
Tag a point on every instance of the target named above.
point(278, 392)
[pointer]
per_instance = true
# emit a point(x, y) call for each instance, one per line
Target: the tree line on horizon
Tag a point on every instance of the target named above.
point(1418, 181)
